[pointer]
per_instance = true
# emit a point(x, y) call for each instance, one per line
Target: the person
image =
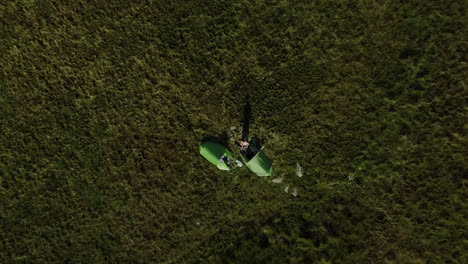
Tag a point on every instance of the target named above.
point(247, 148)
point(243, 144)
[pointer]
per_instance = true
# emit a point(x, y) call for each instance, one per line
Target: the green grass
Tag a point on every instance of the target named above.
point(103, 105)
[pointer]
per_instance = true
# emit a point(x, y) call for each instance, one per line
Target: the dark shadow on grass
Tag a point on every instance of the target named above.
point(246, 118)
point(246, 121)
point(222, 139)
point(255, 141)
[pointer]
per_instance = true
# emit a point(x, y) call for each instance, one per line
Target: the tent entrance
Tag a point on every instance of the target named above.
point(256, 159)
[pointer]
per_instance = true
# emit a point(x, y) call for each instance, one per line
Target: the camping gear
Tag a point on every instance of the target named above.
point(214, 152)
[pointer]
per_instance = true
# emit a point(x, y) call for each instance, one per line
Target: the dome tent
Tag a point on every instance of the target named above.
point(254, 158)
point(259, 163)
point(213, 152)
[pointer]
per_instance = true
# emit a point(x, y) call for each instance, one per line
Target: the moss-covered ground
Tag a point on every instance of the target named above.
point(103, 105)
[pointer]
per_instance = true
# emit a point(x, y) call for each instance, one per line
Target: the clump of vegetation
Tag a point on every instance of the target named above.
point(103, 105)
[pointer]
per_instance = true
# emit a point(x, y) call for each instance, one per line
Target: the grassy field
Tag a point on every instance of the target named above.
point(103, 105)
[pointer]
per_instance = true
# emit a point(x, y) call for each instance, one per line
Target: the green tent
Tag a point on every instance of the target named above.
point(213, 153)
point(260, 164)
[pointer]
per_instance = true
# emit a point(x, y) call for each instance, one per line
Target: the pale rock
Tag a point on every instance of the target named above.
point(277, 180)
point(299, 172)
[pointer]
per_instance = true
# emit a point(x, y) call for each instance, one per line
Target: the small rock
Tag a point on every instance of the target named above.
point(298, 170)
point(294, 192)
point(277, 180)
point(286, 189)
